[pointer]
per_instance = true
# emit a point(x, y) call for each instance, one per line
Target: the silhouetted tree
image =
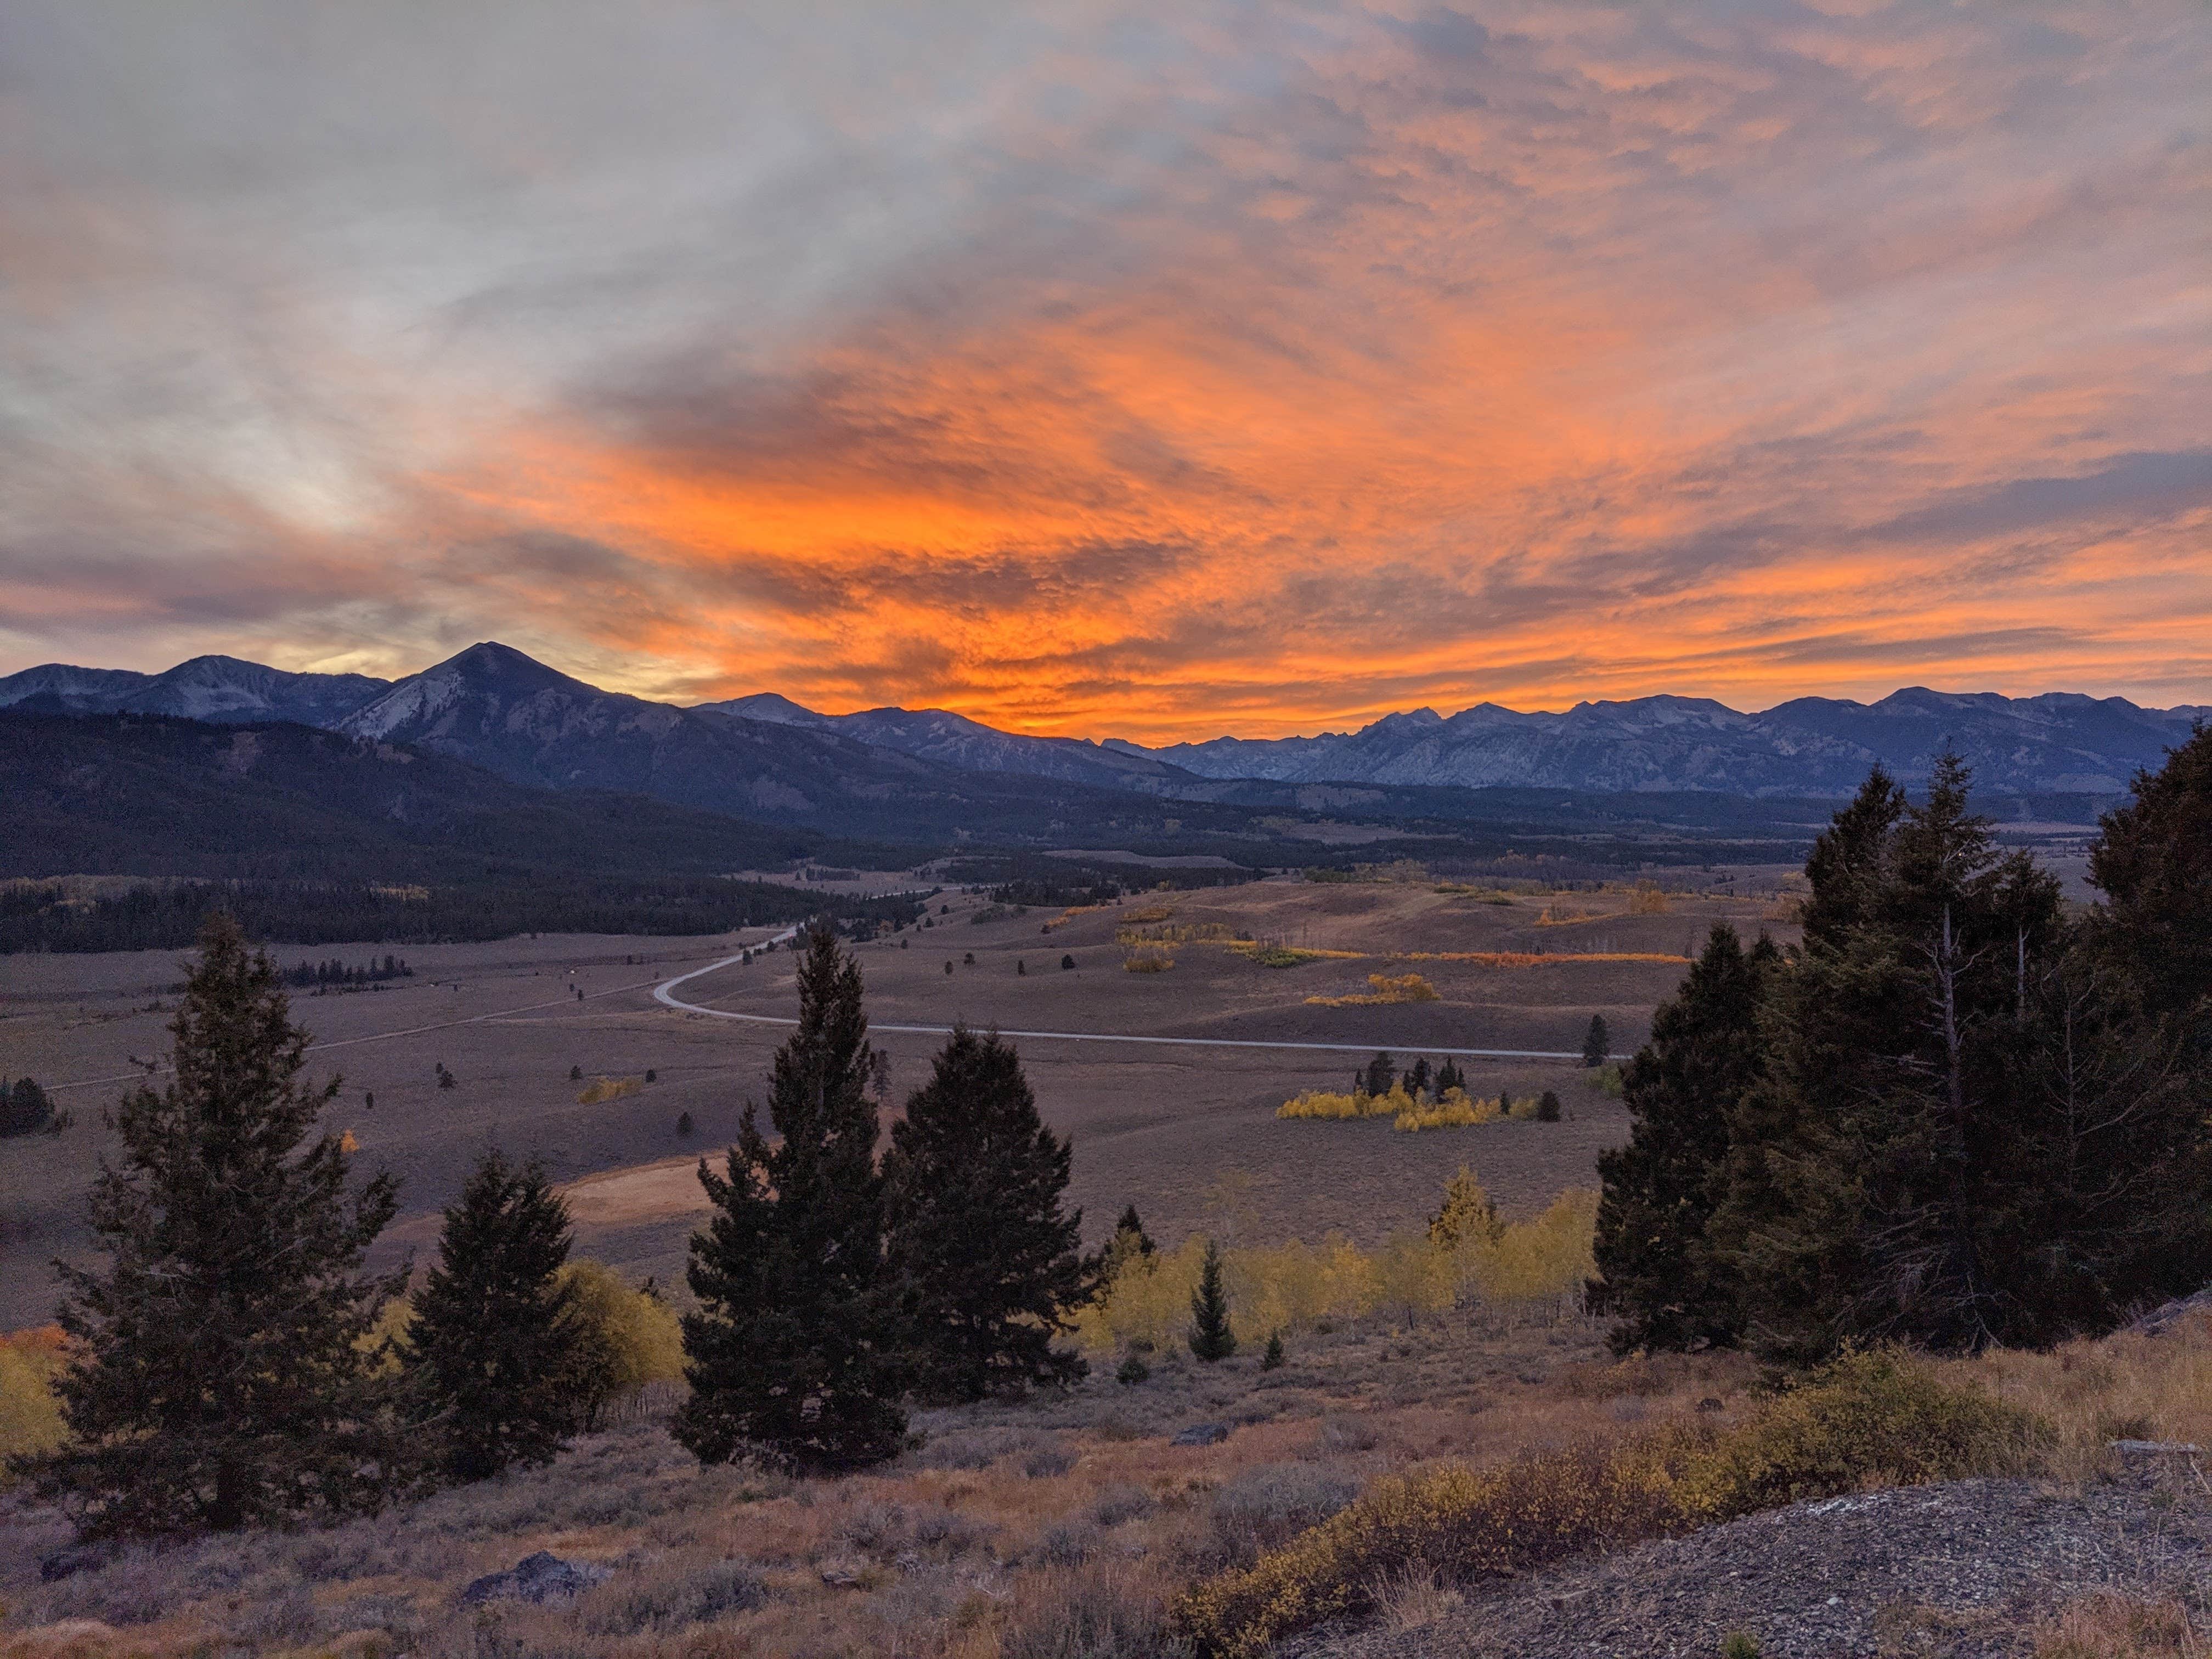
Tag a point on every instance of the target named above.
point(1659, 1274)
point(792, 1353)
point(1382, 1072)
point(1597, 1042)
point(979, 1242)
point(492, 1342)
point(220, 1374)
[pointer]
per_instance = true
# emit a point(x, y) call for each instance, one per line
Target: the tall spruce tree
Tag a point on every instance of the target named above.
point(1878, 1190)
point(494, 1350)
point(979, 1242)
point(1210, 1337)
point(793, 1353)
point(1597, 1042)
point(1659, 1275)
point(222, 1375)
point(2153, 862)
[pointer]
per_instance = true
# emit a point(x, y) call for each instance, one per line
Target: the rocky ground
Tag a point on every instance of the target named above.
point(1968, 1570)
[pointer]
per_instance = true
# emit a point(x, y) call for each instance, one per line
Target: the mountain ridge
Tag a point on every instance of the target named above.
point(767, 754)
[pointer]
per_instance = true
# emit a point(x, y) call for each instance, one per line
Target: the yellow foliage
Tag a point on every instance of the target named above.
point(1546, 1259)
point(602, 1089)
point(1452, 1110)
point(30, 1416)
point(1290, 1287)
point(1466, 1215)
point(639, 1336)
point(346, 1143)
point(1322, 1104)
point(1404, 987)
point(1150, 960)
point(1647, 899)
point(1149, 913)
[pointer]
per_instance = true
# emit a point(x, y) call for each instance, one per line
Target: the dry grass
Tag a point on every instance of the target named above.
point(601, 1090)
point(2110, 1625)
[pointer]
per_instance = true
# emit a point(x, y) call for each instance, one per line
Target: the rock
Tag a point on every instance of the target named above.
point(2154, 1447)
point(1202, 1434)
point(2162, 1318)
point(67, 1564)
point(840, 1575)
point(536, 1578)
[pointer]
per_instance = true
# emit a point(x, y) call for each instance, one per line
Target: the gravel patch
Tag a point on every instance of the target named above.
point(1961, 1569)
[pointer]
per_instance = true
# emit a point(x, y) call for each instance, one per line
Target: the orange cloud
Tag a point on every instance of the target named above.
point(1528, 353)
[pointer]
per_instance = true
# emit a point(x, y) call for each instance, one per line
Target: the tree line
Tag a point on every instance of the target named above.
point(44, 917)
point(1956, 1114)
point(233, 1364)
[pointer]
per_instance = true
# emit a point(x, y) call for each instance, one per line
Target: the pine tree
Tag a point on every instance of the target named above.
point(1209, 1336)
point(1448, 1077)
point(978, 1239)
point(25, 1108)
point(1382, 1072)
point(222, 1374)
point(1597, 1042)
point(793, 1352)
point(1271, 1359)
point(493, 1343)
point(1132, 1225)
point(1877, 1186)
point(1417, 1078)
point(1548, 1107)
point(1658, 1274)
point(2153, 861)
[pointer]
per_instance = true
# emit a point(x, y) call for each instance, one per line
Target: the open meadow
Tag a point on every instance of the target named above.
point(1187, 1133)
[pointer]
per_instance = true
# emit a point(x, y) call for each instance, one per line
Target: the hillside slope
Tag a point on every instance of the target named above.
point(128, 795)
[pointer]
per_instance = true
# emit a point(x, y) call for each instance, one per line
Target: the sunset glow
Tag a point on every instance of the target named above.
point(1154, 372)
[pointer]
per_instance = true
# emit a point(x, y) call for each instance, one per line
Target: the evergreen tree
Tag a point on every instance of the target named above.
point(222, 1374)
point(1131, 1226)
point(493, 1344)
point(1448, 1077)
point(1658, 1274)
point(1548, 1107)
point(793, 1352)
point(1597, 1042)
point(1881, 1186)
point(1382, 1072)
point(1209, 1336)
point(1417, 1078)
point(25, 1108)
point(2153, 861)
point(978, 1239)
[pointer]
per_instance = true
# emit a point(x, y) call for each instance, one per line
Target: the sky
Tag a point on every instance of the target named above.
point(1100, 368)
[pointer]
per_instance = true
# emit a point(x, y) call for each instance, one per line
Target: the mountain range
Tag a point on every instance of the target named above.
point(901, 773)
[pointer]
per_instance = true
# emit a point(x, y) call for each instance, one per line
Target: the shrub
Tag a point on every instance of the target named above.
point(602, 1089)
point(1067, 965)
point(1548, 1107)
point(30, 1416)
point(1147, 960)
point(1874, 1418)
point(1383, 987)
point(1132, 1371)
point(1871, 1419)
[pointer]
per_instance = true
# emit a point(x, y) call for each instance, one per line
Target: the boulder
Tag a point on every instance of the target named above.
point(1202, 1434)
point(536, 1578)
point(67, 1564)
